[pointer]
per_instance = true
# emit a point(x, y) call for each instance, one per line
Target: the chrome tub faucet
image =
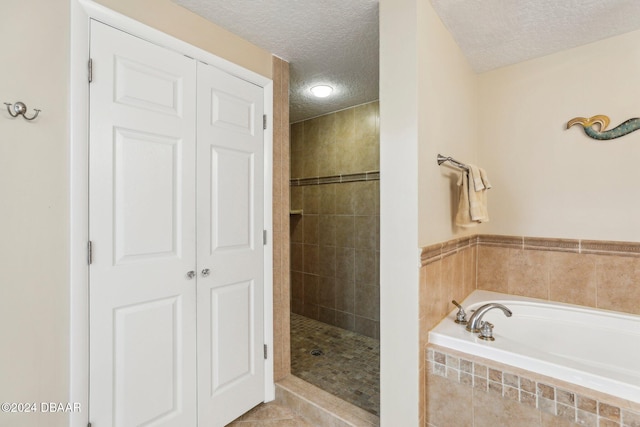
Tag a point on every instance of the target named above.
point(476, 323)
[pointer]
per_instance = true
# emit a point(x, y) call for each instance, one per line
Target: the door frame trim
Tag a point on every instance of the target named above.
point(82, 11)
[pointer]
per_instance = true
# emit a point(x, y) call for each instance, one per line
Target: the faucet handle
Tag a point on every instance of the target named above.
point(486, 331)
point(461, 316)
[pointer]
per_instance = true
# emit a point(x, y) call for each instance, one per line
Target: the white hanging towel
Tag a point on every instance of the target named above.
point(472, 204)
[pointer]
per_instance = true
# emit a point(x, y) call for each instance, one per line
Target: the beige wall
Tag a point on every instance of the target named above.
point(428, 104)
point(553, 182)
point(183, 24)
point(34, 288)
point(427, 90)
point(399, 206)
point(448, 99)
point(547, 181)
point(34, 188)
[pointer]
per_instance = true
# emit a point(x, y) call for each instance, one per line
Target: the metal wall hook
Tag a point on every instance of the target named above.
point(19, 109)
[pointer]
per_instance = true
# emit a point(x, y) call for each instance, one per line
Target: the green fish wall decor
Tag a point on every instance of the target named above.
point(602, 121)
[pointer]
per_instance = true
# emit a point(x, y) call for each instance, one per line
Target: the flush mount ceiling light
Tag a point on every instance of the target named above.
point(322, 91)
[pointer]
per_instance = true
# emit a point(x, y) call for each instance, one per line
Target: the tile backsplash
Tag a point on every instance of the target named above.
point(598, 274)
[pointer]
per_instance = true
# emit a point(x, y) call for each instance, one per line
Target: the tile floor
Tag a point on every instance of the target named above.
point(270, 414)
point(349, 367)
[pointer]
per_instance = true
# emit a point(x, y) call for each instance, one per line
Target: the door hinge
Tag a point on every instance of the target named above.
point(264, 237)
point(90, 65)
point(88, 424)
point(264, 121)
point(265, 351)
point(89, 252)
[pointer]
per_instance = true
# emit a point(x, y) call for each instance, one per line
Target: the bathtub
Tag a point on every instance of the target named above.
point(592, 348)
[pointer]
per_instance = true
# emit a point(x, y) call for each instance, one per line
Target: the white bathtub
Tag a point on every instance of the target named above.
point(592, 348)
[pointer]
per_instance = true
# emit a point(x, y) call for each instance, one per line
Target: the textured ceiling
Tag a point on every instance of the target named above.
point(333, 42)
point(495, 33)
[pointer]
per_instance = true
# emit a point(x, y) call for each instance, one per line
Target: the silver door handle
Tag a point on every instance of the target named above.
point(191, 274)
point(206, 272)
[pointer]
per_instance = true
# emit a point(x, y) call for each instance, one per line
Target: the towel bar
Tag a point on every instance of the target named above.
point(442, 159)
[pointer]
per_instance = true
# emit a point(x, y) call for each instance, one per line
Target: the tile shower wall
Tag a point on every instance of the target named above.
point(335, 244)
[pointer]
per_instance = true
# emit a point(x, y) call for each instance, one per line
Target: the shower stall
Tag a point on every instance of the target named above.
point(335, 253)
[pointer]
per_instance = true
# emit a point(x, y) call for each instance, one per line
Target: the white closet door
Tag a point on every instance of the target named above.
point(230, 246)
point(142, 225)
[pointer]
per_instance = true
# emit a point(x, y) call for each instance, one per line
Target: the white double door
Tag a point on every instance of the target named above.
point(176, 219)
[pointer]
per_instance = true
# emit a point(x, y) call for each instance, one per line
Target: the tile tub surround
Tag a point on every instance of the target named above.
point(448, 272)
point(498, 394)
point(335, 243)
point(597, 274)
point(591, 348)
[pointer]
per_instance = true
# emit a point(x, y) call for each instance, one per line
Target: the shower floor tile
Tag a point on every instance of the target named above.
point(349, 366)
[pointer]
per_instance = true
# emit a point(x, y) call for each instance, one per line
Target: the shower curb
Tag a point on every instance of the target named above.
point(319, 407)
